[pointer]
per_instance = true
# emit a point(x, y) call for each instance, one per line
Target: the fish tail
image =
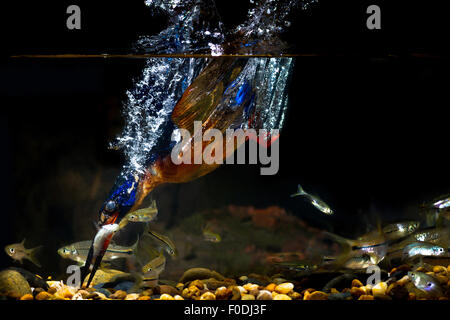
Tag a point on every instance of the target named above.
point(347, 246)
point(32, 255)
point(135, 245)
point(300, 192)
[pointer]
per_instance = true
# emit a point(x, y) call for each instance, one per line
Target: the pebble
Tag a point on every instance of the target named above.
point(397, 292)
point(243, 278)
point(282, 296)
point(119, 294)
point(379, 289)
point(403, 281)
point(28, 296)
point(190, 292)
point(132, 296)
point(161, 289)
point(144, 298)
point(13, 284)
point(208, 296)
point(166, 296)
point(242, 289)
point(213, 284)
point(235, 293)
point(284, 288)
point(249, 287)
point(439, 269)
point(83, 293)
point(317, 295)
point(223, 293)
point(178, 297)
point(43, 296)
point(199, 274)
point(264, 295)
point(295, 295)
point(271, 287)
point(247, 297)
point(356, 283)
point(198, 283)
point(366, 297)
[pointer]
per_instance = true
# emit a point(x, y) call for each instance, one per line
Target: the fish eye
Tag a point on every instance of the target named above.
point(132, 217)
point(11, 250)
point(65, 250)
point(110, 206)
point(429, 284)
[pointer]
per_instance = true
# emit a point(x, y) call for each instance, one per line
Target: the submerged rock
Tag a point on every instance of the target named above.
point(13, 284)
point(200, 274)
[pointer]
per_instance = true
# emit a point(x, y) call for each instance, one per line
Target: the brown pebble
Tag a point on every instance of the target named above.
point(295, 295)
point(208, 296)
point(284, 288)
point(147, 292)
point(236, 293)
point(317, 295)
point(247, 297)
point(282, 296)
point(83, 293)
point(271, 287)
point(43, 296)
point(132, 296)
point(264, 295)
point(52, 290)
point(161, 289)
point(334, 290)
point(439, 269)
point(198, 283)
point(92, 295)
point(309, 290)
point(27, 297)
point(144, 298)
point(223, 293)
point(357, 292)
point(356, 283)
point(119, 295)
point(366, 297)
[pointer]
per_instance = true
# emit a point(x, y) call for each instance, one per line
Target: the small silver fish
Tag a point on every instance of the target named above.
point(18, 252)
point(400, 229)
point(441, 204)
point(169, 245)
point(155, 266)
point(425, 282)
point(315, 201)
point(209, 235)
point(142, 215)
point(422, 249)
point(78, 252)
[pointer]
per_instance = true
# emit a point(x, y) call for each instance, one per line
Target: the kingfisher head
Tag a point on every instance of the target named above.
point(120, 200)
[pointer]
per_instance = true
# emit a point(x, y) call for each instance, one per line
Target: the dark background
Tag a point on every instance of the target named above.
point(366, 128)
